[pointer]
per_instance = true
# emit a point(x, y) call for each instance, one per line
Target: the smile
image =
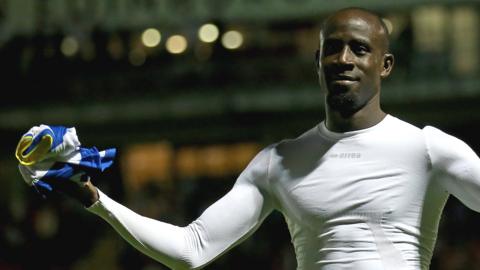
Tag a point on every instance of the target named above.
point(344, 81)
point(342, 77)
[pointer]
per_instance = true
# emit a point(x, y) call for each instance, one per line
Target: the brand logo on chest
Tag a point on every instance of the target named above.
point(348, 155)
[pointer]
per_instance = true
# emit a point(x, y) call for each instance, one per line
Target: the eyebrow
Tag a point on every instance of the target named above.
point(358, 39)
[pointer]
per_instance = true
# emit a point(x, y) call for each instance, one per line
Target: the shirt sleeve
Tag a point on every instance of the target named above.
point(220, 227)
point(455, 166)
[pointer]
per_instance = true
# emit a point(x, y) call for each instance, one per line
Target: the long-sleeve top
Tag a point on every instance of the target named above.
point(365, 199)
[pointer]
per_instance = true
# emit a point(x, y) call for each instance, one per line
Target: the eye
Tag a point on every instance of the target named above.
point(359, 48)
point(331, 47)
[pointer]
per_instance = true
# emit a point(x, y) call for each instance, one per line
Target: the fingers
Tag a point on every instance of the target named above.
point(83, 191)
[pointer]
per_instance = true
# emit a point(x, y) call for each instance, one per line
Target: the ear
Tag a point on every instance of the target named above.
point(388, 61)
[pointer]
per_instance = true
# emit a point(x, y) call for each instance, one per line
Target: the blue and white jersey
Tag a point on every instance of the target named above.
point(54, 153)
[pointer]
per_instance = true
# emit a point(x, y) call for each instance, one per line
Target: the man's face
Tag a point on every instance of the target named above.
point(351, 60)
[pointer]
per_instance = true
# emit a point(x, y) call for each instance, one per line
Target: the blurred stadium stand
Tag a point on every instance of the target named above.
point(87, 64)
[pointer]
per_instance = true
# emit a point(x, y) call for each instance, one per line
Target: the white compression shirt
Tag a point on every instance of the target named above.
point(367, 199)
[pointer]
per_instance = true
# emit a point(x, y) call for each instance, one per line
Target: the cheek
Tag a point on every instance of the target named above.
point(372, 70)
point(326, 61)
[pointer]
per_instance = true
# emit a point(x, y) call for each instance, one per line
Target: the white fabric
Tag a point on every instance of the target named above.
point(368, 199)
point(66, 151)
point(69, 144)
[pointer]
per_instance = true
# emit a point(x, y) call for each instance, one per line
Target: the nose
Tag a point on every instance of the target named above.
point(345, 56)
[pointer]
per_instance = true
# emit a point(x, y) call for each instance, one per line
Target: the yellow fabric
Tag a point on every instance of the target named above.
point(37, 153)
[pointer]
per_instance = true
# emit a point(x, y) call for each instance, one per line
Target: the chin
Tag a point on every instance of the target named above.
point(343, 103)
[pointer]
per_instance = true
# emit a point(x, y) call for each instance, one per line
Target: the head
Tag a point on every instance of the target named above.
point(352, 60)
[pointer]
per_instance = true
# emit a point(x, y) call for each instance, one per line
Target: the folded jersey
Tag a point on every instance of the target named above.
point(53, 153)
point(42, 142)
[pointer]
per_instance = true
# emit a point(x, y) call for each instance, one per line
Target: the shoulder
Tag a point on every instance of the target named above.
point(398, 134)
point(281, 149)
point(433, 131)
point(444, 147)
point(273, 154)
point(256, 172)
point(438, 138)
point(298, 143)
point(398, 125)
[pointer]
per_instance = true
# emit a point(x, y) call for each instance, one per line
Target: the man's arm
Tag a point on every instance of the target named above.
point(456, 166)
point(223, 225)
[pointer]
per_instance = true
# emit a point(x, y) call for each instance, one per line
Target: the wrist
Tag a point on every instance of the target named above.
point(90, 194)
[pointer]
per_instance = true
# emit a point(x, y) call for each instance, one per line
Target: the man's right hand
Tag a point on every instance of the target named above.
point(84, 192)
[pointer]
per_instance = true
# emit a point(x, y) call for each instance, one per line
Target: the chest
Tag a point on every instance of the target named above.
point(352, 178)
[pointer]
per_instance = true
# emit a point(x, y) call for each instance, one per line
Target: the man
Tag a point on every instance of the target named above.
point(361, 190)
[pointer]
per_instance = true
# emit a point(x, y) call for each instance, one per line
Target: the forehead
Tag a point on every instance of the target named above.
point(352, 25)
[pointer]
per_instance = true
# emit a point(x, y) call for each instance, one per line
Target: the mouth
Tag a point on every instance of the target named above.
point(343, 79)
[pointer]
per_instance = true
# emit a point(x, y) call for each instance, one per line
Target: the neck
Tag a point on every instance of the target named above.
point(370, 115)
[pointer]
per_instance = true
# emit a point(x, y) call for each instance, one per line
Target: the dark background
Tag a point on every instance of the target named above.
point(195, 111)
